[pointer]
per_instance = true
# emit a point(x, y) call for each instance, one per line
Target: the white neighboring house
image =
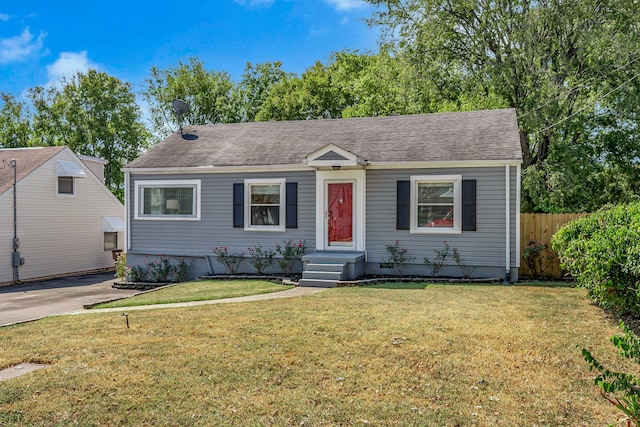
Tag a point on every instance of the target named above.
point(66, 220)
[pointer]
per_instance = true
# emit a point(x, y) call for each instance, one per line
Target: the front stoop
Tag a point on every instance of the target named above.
point(326, 268)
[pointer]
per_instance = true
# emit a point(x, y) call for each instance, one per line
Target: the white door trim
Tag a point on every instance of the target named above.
point(358, 177)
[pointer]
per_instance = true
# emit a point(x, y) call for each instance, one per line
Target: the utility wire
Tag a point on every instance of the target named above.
point(579, 87)
point(587, 106)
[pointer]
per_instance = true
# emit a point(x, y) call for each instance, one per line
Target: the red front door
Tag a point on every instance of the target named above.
point(340, 214)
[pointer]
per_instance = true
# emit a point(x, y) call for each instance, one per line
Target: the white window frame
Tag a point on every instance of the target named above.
point(248, 183)
point(140, 185)
point(456, 181)
point(104, 240)
point(73, 187)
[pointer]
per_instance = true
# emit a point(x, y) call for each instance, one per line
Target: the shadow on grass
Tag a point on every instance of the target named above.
point(423, 285)
point(399, 285)
point(548, 284)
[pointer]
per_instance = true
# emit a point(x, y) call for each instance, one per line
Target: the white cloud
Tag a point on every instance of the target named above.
point(4, 17)
point(18, 48)
point(69, 64)
point(255, 3)
point(347, 5)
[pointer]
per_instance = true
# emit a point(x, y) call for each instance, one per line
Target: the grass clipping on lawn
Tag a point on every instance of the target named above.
point(447, 355)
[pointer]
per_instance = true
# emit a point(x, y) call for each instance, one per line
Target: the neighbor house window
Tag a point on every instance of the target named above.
point(436, 204)
point(110, 241)
point(65, 185)
point(264, 204)
point(179, 200)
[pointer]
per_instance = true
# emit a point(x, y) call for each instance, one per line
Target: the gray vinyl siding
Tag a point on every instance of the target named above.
point(484, 247)
point(215, 227)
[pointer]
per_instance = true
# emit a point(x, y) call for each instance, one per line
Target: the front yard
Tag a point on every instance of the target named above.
point(445, 355)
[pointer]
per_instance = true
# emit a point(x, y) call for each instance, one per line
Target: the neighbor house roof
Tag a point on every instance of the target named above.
point(490, 135)
point(27, 160)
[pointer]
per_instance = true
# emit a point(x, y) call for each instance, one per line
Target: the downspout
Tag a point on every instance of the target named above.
point(127, 223)
point(507, 231)
point(16, 243)
point(518, 195)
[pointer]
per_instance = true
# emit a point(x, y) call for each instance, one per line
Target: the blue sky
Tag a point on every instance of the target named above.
point(40, 41)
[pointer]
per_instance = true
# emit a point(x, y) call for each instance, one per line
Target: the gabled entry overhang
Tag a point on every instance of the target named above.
point(334, 157)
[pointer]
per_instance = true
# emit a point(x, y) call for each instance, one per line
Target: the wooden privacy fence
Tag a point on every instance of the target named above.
point(540, 227)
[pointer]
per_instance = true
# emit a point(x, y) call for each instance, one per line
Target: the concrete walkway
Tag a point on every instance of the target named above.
point(63, 296)
point(289, 293)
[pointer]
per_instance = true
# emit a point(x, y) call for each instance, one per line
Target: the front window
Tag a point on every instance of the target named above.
point(168, 200)
point(264, 209)
point(436, 203)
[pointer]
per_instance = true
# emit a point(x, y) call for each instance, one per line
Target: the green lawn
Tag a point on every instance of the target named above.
point(201, 290)
point(446, 355)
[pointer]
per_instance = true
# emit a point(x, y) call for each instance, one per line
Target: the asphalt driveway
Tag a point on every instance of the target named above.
point(32, 301)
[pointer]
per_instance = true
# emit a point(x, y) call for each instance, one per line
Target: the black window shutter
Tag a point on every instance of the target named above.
point(238, 205)
point(403, 210)
point(468, 205)
point(292, 204)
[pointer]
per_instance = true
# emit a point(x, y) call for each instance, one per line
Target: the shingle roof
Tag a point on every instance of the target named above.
point(490, 135)
point(28, 160)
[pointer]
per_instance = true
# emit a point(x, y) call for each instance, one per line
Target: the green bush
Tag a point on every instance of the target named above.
point(602, 252)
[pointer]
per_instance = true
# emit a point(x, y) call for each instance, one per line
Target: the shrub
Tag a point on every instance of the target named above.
point(159, 270)
point(602, 252)
point(136, 273)
point(467, 270)
point(290, 252)
point(397, 260)
point(121, 265)
point(164, 270)
point(261, 259)
point(534, 256)
point(620, 389)
point(230, 261)
point(439, 260)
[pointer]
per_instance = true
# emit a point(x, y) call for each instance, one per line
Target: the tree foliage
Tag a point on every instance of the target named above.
point(251, 92)
point(208, 93)
point(92, 113)
point(354, 84)
point(566, 67)
point(15, 129)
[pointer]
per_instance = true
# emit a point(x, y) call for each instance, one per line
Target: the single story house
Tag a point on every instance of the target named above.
point(348, 188)
point(59, 218)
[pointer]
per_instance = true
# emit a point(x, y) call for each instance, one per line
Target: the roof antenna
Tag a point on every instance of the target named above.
point(180, 107)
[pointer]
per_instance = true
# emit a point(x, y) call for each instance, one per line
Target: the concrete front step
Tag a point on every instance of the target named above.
point(333, 267)
point(318, 283)
point(323, 275)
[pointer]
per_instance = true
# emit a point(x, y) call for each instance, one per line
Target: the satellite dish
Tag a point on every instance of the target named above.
point(180, 107)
